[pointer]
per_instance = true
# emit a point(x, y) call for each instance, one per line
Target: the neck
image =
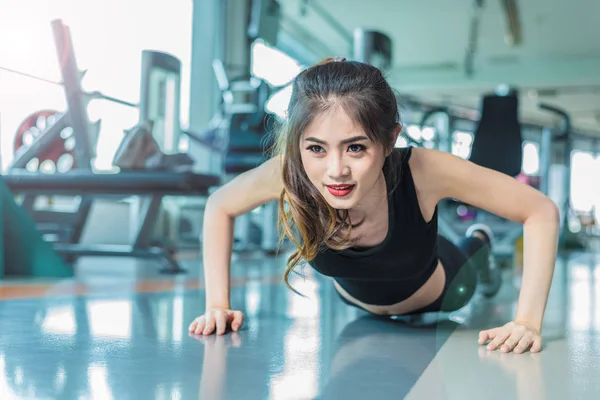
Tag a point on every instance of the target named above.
point(373, 203)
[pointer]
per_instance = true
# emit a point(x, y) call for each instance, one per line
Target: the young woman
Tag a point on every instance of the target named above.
point(365, 213)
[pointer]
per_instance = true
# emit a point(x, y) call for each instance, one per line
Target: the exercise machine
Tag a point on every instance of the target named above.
point(241, 136)
point(152, 184)
point(53, 142)
point(498, 145)
point(50, 131)
point(159, 109)
point(555, 160)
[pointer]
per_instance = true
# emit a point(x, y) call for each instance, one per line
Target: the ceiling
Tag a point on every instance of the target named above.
point(557, 61)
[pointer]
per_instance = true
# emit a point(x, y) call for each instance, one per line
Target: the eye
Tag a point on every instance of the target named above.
point(355, 148)
point(314, 148)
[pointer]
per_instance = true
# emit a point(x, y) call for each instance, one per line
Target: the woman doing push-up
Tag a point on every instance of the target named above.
point(364, 212)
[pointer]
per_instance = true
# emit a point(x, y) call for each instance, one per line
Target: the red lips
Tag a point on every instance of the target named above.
point(340, 190)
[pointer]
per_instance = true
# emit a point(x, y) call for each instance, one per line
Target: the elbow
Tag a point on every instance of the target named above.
point(552, 211)
point(217, 204)
point(214, 203)
point(211, 201)
point(547, 213)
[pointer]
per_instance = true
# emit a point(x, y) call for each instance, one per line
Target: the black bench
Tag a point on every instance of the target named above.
point(154, 184)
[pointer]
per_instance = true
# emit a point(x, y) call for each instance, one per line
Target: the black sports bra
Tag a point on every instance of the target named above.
point(393, 270)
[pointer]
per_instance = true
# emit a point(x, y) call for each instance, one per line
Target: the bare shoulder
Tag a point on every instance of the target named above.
point(268, 175)
point(251, 189)
point(444, 175)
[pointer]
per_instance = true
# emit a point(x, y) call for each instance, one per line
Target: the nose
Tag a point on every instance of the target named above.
point(337, 167)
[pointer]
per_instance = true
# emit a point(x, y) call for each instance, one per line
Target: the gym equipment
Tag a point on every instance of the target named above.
point(159, 129)
point(498, 142)
point(159, 116)
point(139, 150)
point(59, 142)
point(23, 252)
point(59, 155)
point(84, 133)
point(556, 156)
point(239, 133)
point(153, 184)
point(62, 138)
point(74, 123)
point(160, 89)
point(243, 130)
point(498, 145)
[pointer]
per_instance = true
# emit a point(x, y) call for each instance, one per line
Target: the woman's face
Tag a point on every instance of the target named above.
point(340, 160)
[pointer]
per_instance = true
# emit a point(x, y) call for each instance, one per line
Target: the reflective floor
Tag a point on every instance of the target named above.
point(125, 337)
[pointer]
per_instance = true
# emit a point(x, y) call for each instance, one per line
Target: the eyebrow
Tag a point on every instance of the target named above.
point(345, 141)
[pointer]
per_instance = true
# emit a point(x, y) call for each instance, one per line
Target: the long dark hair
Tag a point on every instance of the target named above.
point(366, 96)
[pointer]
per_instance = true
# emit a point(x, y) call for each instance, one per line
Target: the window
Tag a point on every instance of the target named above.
point(531, 158)
point(277, 69)
point(461, 144)
point(585, 172)
point(108, 37)
point(278, 102)
point(273, 65)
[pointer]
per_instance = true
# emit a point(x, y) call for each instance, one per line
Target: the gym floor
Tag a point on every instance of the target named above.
point(119, 331)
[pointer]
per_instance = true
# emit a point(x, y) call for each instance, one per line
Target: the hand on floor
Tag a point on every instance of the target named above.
point(513, 336)
point(217, 321)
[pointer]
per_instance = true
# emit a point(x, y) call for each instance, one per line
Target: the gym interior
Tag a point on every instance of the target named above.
point(118, 120)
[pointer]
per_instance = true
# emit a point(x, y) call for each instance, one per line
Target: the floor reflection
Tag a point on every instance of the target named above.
point(136, 346)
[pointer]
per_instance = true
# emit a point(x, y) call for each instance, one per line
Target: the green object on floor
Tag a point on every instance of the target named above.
point(24, 253)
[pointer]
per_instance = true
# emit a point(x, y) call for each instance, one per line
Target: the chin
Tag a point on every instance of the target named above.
point(340, 203)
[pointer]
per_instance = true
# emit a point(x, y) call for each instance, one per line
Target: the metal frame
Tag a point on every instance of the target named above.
point(153, 186)
point(71, 77)
point(507, 232)
point(77, 118)
point(141, 247)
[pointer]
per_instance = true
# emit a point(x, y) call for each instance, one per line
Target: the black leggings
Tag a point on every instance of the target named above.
point(460, 263)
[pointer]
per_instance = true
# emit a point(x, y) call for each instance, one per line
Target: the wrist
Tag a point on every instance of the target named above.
point(218, 306)
point(530, 323)
point(217, 301)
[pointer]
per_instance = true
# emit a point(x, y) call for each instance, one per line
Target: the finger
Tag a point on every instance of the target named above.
point(489, 334)
point(537, 345)
point(210, 324)
point(221, 320)
point(524, 343)
point(512, 341)
point(499, 339)
point(200, 325)
point(238, 320)
point(193, 325)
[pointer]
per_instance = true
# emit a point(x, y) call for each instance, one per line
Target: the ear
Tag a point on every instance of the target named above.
point(396, 134)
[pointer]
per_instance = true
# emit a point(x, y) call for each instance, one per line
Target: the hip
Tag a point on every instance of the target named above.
point(420, 297)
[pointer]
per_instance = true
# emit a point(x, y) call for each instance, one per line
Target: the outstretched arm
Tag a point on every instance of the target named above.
point(239, 196)
point(452, 177)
